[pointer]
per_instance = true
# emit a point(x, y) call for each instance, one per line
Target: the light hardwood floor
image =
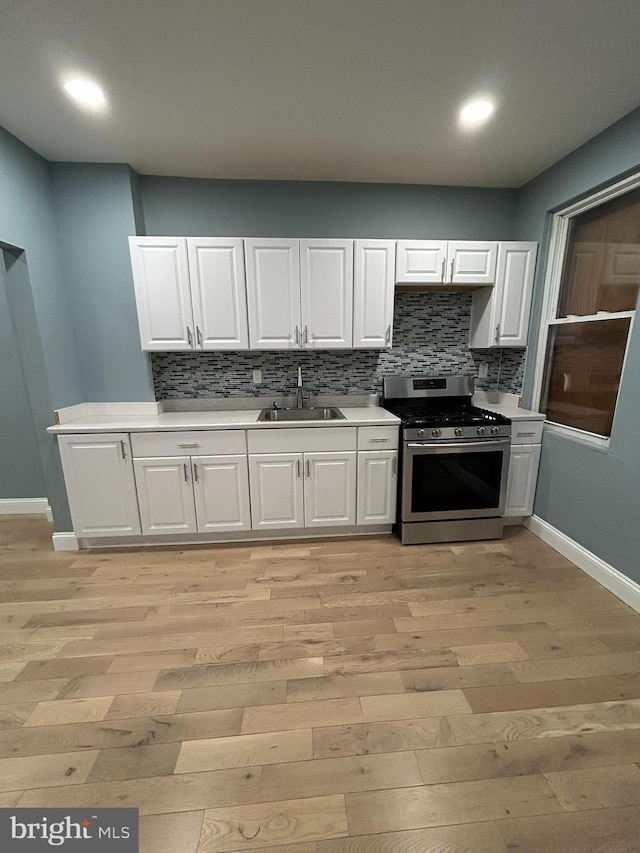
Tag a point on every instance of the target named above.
point(347, 696)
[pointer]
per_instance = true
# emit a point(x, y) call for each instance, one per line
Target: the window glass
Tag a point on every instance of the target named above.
point(583, 373)
point(602, 260)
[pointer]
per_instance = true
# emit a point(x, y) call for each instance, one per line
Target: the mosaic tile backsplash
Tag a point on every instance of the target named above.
point(430, 331)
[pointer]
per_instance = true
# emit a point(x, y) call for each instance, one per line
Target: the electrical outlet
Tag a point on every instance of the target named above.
point(257, 376)
point(483, 370)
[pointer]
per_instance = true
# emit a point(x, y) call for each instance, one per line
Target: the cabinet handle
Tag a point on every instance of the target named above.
point(525, 433)
point(305, 340)
point(372, 440)
point(195, 471)
point(394, 466)
point(123, 450)
point(189, 337)
point(451, 279)
point(308, 464)
point(199, 337)
point(442, 274)
point(298, 466)
point(387, 336)
point(186, 477)
point(297, 336)
point(189, 444)
point(498, 333)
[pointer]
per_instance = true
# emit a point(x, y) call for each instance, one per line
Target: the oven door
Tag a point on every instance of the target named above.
point(465, 479)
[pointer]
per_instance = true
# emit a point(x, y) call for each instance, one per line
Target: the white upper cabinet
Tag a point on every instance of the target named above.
point(421, 261)
point(326, 280)
point(471, 263)
point(373, 292)
point(190, 293)
point(273, 293)
point(445, 262)
point(98, 474)
point(300, 293)
point(500, 315)
point(218, 293)
point(161, 280)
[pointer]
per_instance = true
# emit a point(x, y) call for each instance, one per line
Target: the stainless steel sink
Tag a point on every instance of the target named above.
point(312, 414)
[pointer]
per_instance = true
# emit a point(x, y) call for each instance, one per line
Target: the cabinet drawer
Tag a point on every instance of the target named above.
point(378, 438)
point(296, 440)
point(526, 432)
point(192, 443)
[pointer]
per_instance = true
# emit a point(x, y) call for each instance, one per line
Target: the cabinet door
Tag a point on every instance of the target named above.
point(165, 495)
point(373, 290)
point(513, 290)
point(163, 297)
point(471, 263)
point(421, 261)
point(218, 293)
point(523, 474)
point(326, 277)
point(276, 490)
point(330, 489)
point(221, 487)
point(98, 474)
point(377, 486)
point(273, 293)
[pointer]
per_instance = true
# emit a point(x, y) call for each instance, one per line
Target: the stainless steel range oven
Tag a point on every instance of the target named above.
point(454, 460)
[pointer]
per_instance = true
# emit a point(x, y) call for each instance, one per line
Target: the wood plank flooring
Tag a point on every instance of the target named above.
point(336, 696)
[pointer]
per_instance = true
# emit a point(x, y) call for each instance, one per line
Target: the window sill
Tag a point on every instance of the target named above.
point(587, 439)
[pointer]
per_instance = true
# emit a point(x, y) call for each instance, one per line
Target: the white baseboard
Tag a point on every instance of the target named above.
point(65, 542)
point(609, 577)
point(25, 506)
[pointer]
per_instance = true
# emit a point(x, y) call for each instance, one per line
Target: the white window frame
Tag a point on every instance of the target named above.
point(551, 298)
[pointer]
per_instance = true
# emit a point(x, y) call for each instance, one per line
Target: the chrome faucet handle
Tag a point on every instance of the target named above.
point(275, 406)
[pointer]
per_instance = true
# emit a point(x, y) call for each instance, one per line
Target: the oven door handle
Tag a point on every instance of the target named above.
point(460, 445)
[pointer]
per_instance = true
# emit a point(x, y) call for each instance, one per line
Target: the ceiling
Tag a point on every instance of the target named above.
point(328, 90)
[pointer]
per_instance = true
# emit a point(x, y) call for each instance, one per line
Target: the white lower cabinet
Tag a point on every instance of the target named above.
point(276, 490)
point(100, 485)
point(221, 488)
point(330, 489)
point(193, 494)
point(377, 486)
point(303, 489)
point(165, 495)
point(523, 475)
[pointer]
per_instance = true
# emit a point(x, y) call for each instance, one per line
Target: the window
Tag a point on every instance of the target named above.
point(593, 279)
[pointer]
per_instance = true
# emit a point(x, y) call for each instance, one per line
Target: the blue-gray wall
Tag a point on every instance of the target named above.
point(22, 474)
point(95, 215)
point(210, 208)
point(27, 222)
point(591, 495)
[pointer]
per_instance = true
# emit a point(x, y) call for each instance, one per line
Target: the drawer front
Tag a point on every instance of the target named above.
point(192, 443)
point(378, 438)
point(526, 432)
point(296, 440)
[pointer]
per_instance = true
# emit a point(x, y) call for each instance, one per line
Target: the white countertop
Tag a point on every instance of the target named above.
point(507, 405)
point(231, 419)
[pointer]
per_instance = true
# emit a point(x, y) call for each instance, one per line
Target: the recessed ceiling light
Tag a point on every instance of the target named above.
point(476, 112)
point(86, 93)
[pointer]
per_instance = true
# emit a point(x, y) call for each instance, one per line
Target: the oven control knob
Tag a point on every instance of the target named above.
point(436, 433)
point(420, 433)
point(495, 430)
point(482, 430)
point(458, 431)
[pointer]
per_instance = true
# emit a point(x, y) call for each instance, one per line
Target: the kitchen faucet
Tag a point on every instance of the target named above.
point(299, 397)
